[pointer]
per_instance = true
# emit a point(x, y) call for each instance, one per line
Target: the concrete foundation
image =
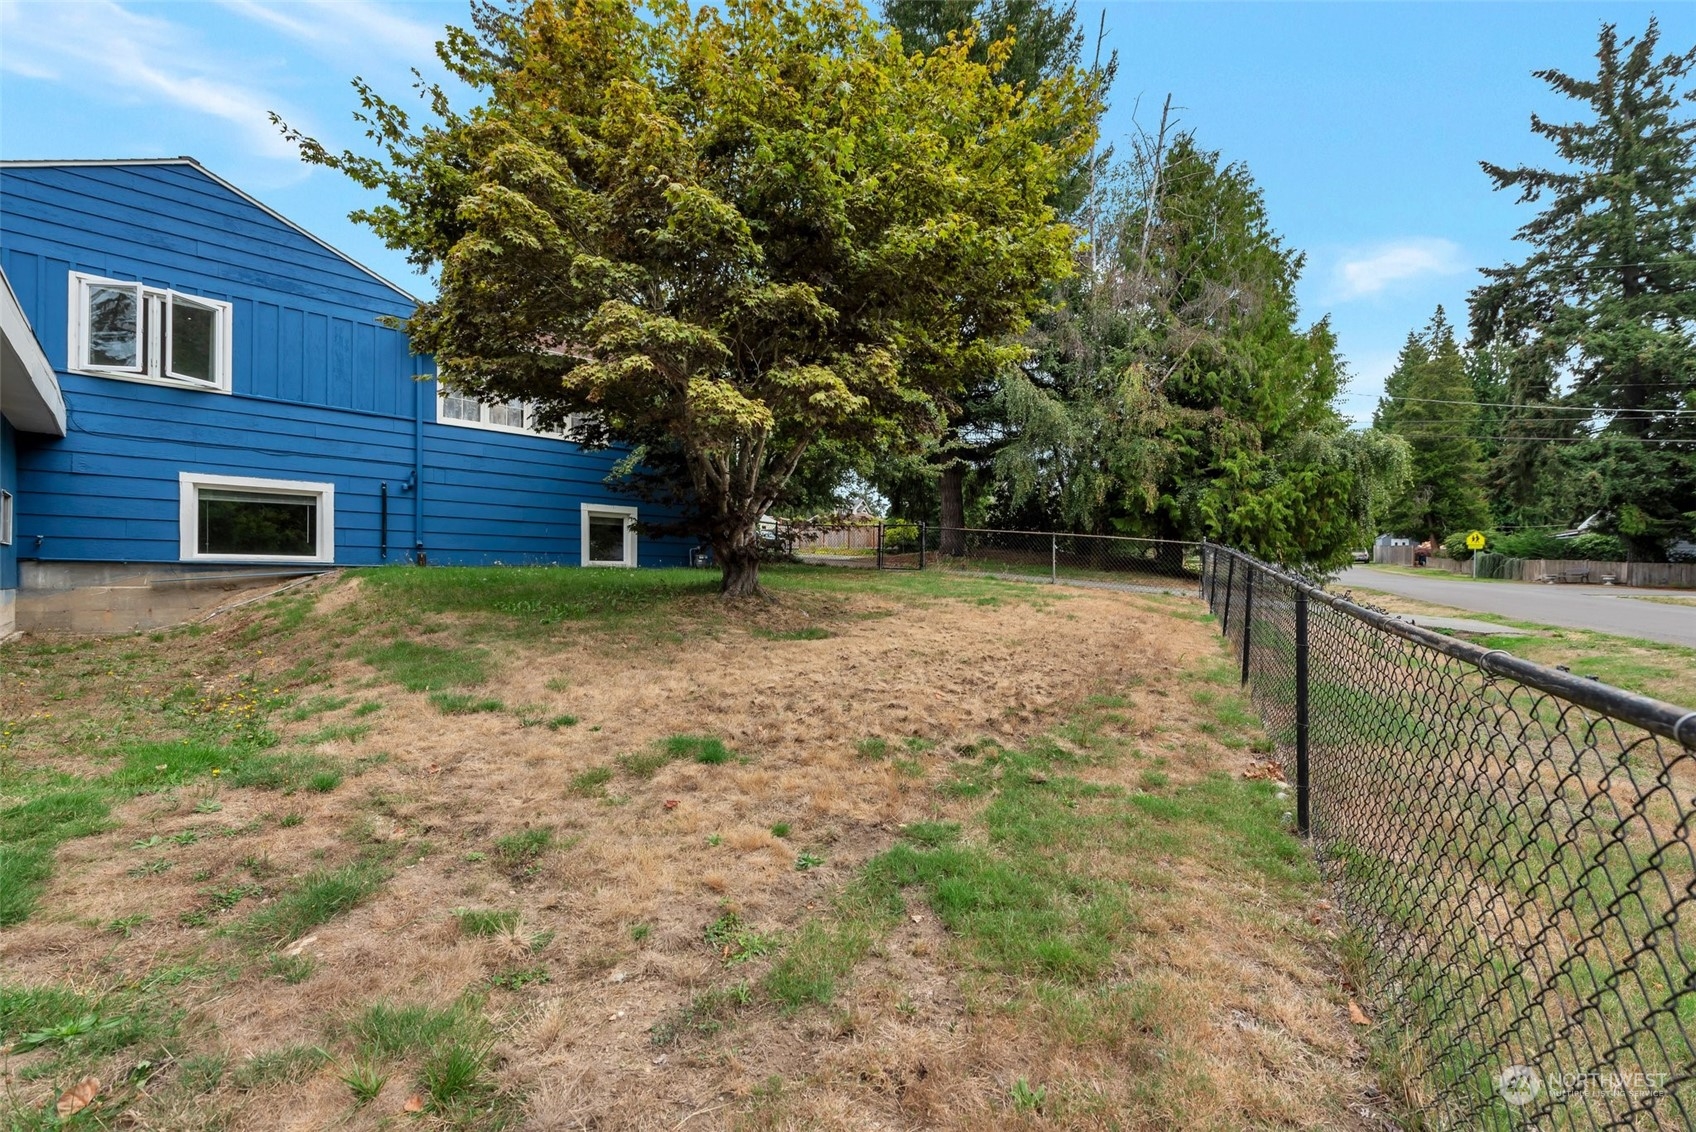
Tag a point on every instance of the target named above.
point(114, 597)
point(8, 612)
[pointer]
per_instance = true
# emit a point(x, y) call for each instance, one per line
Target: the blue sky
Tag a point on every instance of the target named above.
point(1363, 122)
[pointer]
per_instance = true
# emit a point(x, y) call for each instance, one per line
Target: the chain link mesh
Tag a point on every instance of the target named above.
point(1512, 844)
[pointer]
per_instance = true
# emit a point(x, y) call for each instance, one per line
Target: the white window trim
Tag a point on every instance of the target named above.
point(188, 516)
point(155, 363)
point(8, 517)
point(490, 426)
point(629, 516)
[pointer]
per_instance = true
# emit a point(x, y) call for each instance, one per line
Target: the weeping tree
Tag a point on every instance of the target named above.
point(725, 234)
point(1174, 394)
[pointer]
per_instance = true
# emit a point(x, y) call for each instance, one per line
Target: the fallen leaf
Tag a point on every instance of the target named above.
point(432, 769)
point(414, 1103)
point(301, 944)
point(1357, 1015)
point(77, 1097)
point(671, 803)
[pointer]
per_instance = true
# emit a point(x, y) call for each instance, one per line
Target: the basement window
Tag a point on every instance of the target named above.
point(608, 535)
point(140, 333)
point(243, 519)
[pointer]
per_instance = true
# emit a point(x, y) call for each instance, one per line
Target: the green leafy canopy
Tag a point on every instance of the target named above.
point(724, 233)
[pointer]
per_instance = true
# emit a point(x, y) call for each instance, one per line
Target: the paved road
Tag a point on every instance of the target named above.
point(1606, 609)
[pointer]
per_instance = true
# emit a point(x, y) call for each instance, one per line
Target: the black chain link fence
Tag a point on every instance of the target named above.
point(1111, 560)
point(1512, 844)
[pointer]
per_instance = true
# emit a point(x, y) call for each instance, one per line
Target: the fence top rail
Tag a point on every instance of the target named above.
point(1071, 534)
point(1658, 717)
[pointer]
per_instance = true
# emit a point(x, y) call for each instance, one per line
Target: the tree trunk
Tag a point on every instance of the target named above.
point(738, 554)
point(953, 511)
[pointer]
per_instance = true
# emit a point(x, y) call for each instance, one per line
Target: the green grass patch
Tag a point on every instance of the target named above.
point(30, 833)
point(430, 668)
point(700, 748)
point(707, 1014)
point(487, 921)
point(319, 896)
point(592, 782)
point(385, 1030)
point(459, 703)
point(316, 705)
point(525, 846)
point(809, 633)
point(735, 942)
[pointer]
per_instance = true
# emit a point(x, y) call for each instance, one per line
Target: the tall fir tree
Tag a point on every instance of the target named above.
point(1431, 403)
point(1604, 307)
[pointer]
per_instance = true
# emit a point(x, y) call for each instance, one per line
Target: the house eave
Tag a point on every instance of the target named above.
point(29, 389)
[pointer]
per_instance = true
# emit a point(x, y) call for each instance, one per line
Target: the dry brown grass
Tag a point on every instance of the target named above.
point(1225, 1008)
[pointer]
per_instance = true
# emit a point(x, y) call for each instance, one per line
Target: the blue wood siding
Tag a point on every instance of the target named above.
point(321, 391)
point(8, 482)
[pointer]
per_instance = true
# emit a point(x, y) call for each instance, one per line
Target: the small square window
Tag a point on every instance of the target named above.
point(507, 414)
point(459, 407)
point(609, 536)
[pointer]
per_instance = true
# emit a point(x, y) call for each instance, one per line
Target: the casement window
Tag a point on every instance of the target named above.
point(516, 415)
point(140, 333)
point(6, 519)
point(242, 519)
point(609, 535)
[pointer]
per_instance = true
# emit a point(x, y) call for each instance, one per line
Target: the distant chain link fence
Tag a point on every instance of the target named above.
point(1111, 560)
point(1512, 843)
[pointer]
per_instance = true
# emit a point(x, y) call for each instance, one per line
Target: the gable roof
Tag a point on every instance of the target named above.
point(213, 177)
point(29, 389)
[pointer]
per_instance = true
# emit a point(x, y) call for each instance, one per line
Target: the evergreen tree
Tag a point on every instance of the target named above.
point(1175, 394)
point(1605, 304)
point(1430, 402)
point(1036, 40)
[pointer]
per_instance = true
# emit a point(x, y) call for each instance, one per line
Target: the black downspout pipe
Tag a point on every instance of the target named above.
point(383, 522)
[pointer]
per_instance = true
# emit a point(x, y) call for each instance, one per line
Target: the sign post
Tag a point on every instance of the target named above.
point(1475, 543)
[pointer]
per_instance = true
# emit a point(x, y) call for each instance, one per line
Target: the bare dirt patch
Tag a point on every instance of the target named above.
point(611, 1003)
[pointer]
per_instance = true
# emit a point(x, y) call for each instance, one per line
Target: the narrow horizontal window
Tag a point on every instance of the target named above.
point(238, 518)
point(241, 522)
point(514, 415)
point(6, 519)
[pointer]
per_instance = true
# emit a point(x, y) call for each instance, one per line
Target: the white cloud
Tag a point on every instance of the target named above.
point(346, 26)
point(129, 57)
point(1370, 270)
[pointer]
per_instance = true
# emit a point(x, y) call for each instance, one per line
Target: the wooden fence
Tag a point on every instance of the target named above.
point(1648, 575)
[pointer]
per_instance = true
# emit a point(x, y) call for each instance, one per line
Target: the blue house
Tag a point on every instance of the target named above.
point(196, 388)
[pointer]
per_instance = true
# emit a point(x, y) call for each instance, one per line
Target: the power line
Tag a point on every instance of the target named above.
point(1592, 410)
point(1539, 439)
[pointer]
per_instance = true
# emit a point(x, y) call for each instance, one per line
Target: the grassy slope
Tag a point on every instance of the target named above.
point(1057, 886)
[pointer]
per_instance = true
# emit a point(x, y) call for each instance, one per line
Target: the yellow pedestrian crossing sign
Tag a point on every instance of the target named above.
point(1475, 540)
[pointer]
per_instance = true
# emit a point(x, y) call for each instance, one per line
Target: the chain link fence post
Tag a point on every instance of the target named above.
point(880, 546)
point(1054, 559)
point(1248, 620)
point(922, 530)
point(1302, 773)
point(1230, 583)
